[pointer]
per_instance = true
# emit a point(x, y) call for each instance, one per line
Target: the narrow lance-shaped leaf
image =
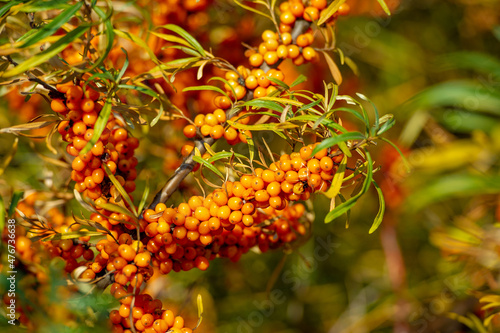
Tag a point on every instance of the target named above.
point(329, 11)
point(208, 165)
point(384, 7)
point(190, 39)
point(99, 126)
point(335, 140)
point(121, 190)
point(50, 28)
point(349, 203)
point(381, 209)
point(52, 51)
point(334, 69)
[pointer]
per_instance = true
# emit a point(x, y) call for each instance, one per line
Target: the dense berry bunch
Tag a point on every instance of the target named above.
point(114, 148)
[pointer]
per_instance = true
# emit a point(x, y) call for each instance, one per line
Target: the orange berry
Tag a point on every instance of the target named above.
point(271, 58)
point(256, 60)
point(311, 14)
point(259, 92)
point(293, 51)
point(235, 203)
point(220, 115)
point(297, 9)
point(189, 131)
point(230, 134)
point(320, 4)
point(261, 196)
point(222, 102)
point(142, 259)
point(57, 105)
point(287, 18)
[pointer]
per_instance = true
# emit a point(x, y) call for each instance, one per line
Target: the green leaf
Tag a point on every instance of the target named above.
point(309, 106)
point(253, 9)
point(184, 34)
point(99, 125)
point(145, 194)
point(261, 104)
point(205, 87)
point(72, 235)
point(38, 6)
point(52, 51)
point(319, 120)
point(171, 38)
point(121, 190)
point(302, 78)
point(224, 154)
point(208, 165)
point(387, 124)
point(349, 203)
point(335, 140)
point(375, 110)
point(5, 8)
point(329, 11)
point(50, 28)
point(124, 67)
point(384, 7)
point(279, 83)
point(262, 127)
point(381, 209)
point(110, 36)
point(16, 197)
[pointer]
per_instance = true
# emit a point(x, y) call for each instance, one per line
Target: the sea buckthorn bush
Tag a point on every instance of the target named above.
point(111, 89)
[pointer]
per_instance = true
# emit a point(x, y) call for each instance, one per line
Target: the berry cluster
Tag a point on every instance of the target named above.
point(114, 148)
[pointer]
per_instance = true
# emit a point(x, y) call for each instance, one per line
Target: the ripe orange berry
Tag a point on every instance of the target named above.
point(251, 82)
point(189, 131)
point(231, 134)
point(220, 115)
point(75, 92)
point(309, 53)
point(297, 9)
point(320, 4)
point(187, 149)
point(142, 259)
point(268, 34)
point(293, 51)
point(287, 18)
point(259, 92)
point(217, 132)
point(222, 102)
point(199, 120)
point(261, 196)
point(302, 40)
point(311, 13)
point(271, 57)
point(326, 163)
point(256, 60)
point(235, 203)
point(57, 105)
